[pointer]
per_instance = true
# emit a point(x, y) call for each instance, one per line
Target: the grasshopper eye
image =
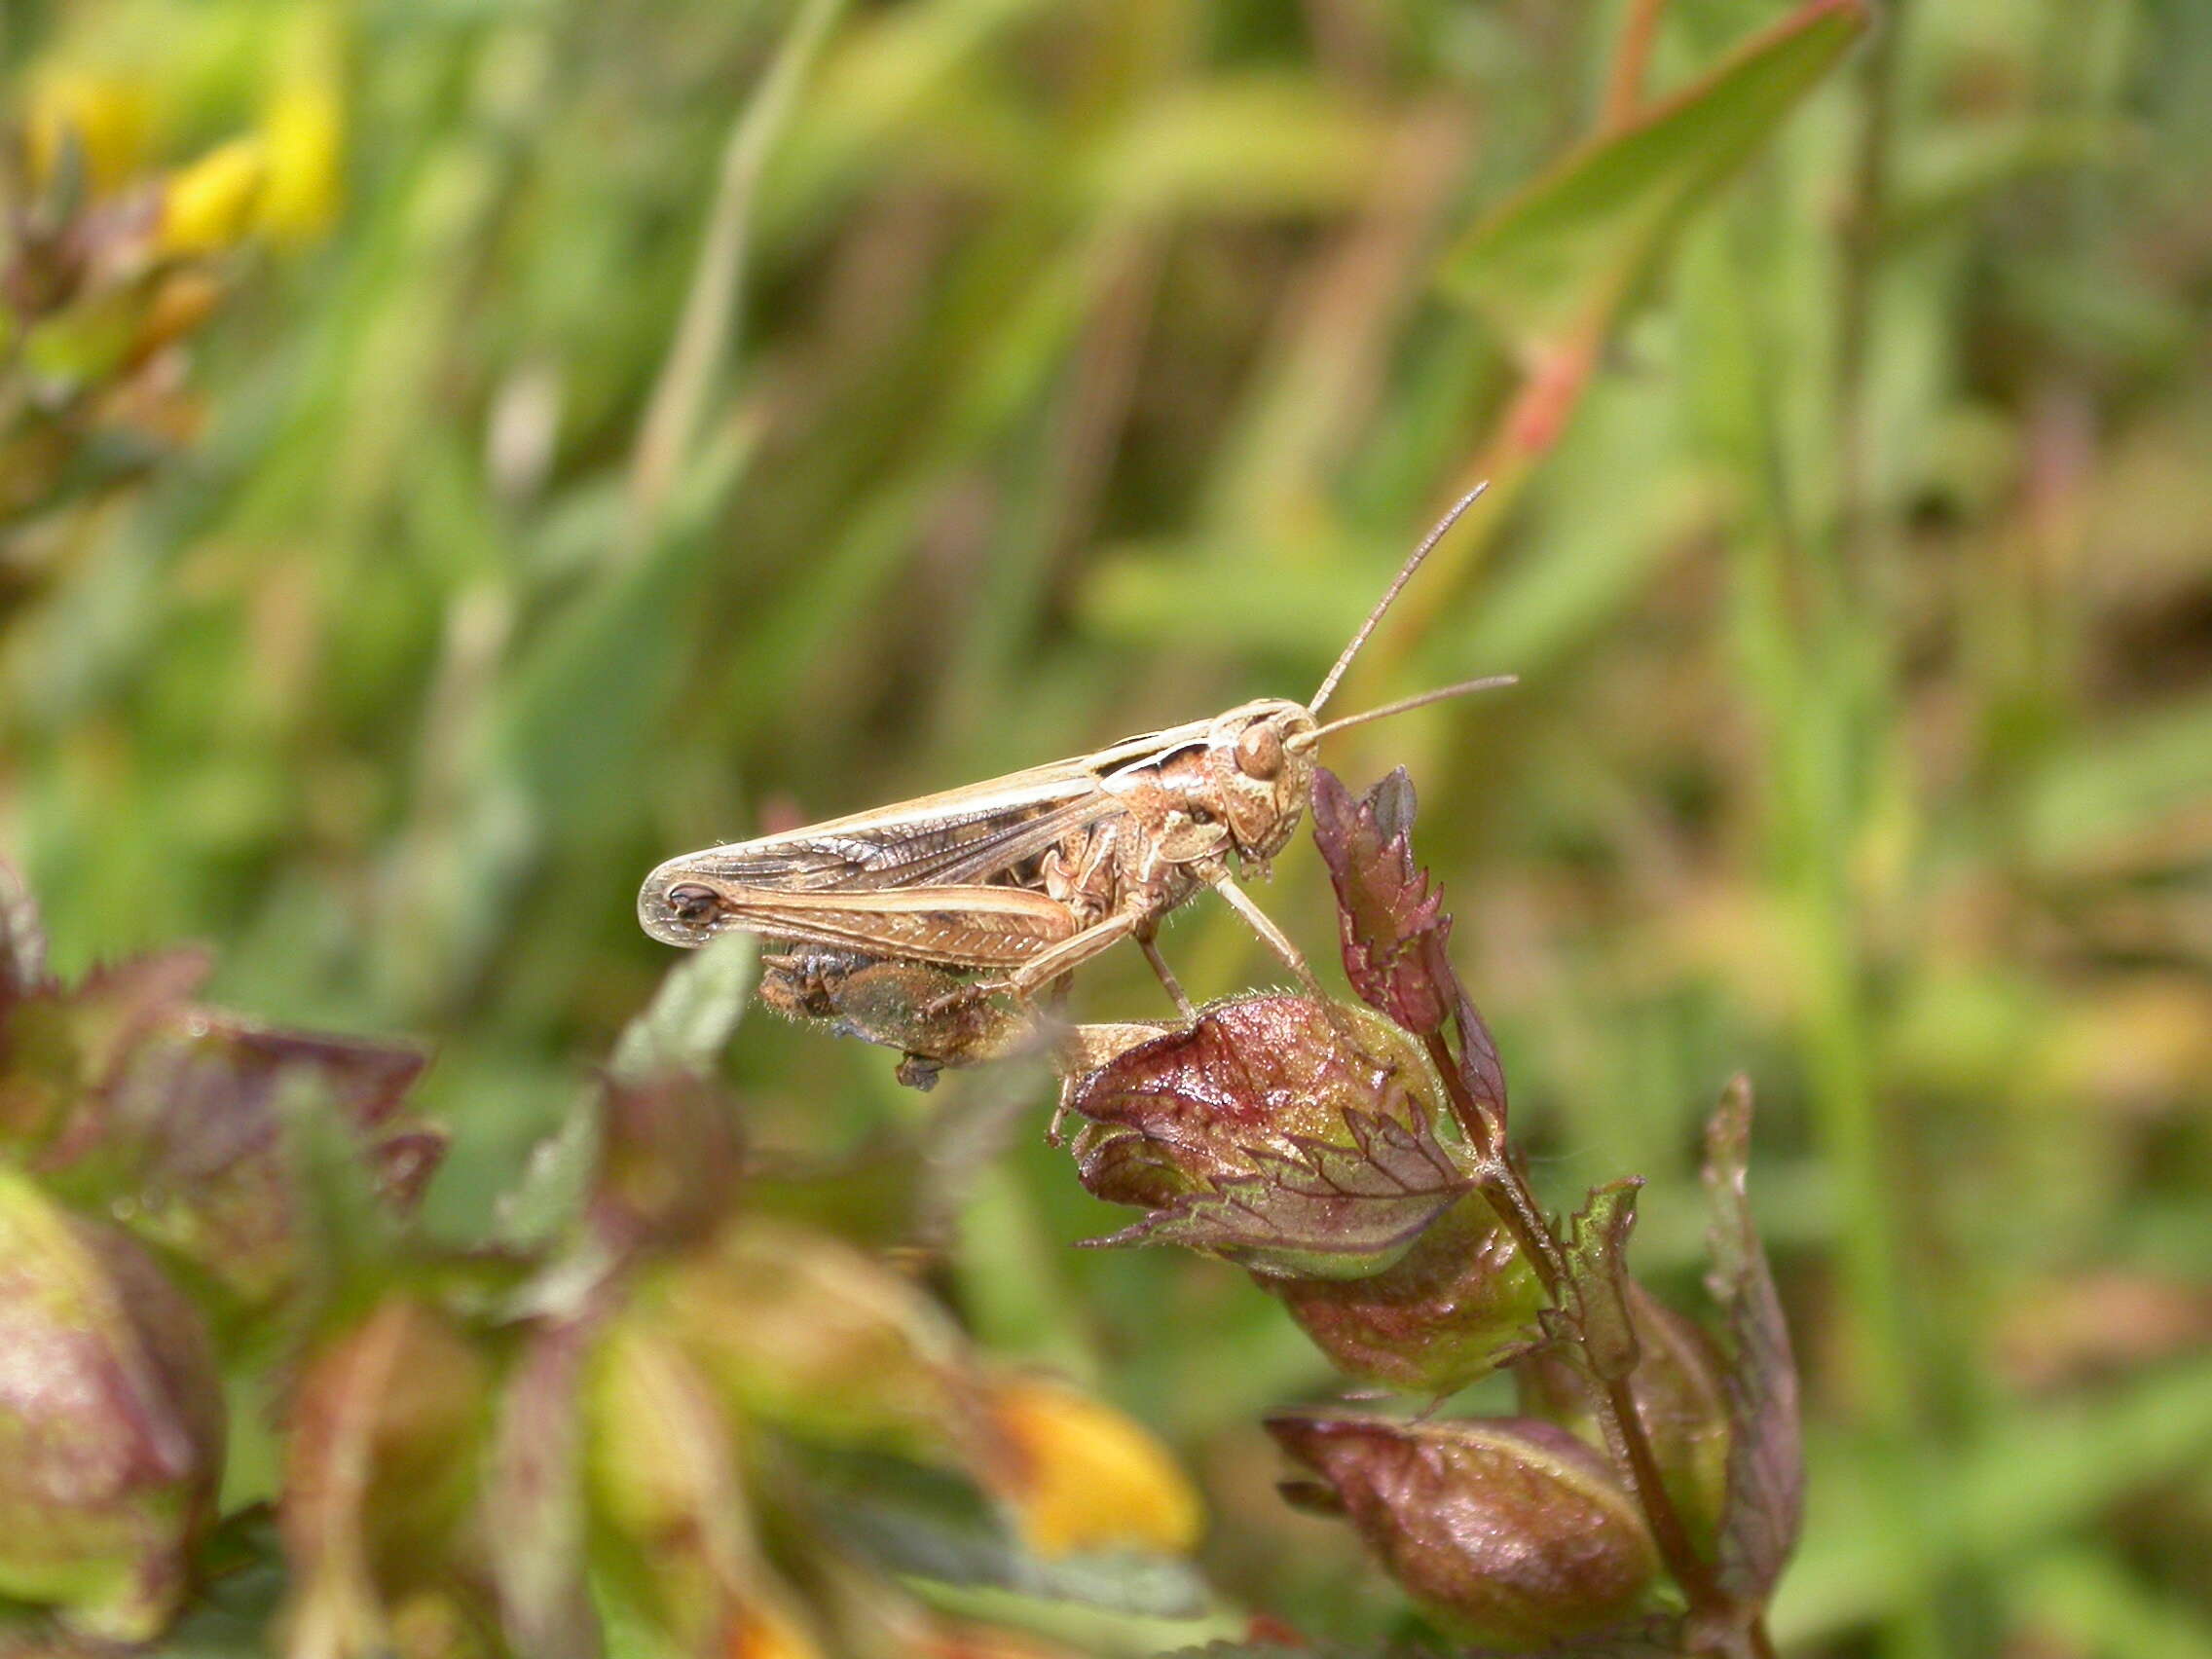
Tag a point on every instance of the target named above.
point(1259, 751)
point(690, 902)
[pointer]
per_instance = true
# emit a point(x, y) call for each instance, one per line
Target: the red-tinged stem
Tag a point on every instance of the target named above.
point(1624, 89)
point(1507, 1192)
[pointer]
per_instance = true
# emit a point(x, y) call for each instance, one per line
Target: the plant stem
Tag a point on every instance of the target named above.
point(1624, 88)
point(1507, 1192)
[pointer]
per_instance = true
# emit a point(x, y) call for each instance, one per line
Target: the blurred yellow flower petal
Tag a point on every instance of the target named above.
point(763, 1632)
point(209, 205)
point(1088, 1477)
point(109, 118)
point(303, 133)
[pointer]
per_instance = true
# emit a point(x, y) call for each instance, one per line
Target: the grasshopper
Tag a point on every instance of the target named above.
point(1019, 880)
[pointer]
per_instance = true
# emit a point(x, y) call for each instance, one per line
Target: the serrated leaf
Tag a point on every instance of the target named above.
point(189, 1121)
point(1263, 1133)
point(65, 1047)
point(1765, 1509)
point(1394, 934)
point(1327, 1212)
point(1391, 920)
point(1596, 1265)
point(1581, 236)
point(692, 1014)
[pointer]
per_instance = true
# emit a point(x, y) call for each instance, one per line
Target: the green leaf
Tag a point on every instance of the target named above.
point(691, 1015)
point(920, 1523)
point(555, 1181)
point(1577, 242)
point(1596, 1265)
point(1251, 145)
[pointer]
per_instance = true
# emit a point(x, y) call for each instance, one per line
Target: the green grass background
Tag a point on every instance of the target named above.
point(1082, 367)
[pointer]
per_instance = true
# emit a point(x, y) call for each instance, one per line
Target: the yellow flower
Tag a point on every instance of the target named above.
point(763, 1632)
point(302, 135)
point(1087, 1477)
point(209, 205)
point(109, 119)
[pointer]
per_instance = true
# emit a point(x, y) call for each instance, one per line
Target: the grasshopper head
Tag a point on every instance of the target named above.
point(1260, 767)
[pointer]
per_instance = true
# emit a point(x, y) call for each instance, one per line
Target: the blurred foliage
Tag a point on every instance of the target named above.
point(603, 430)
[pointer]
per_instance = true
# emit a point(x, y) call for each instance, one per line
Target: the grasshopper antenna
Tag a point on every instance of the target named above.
point(1383, 604)
point(1490, 682)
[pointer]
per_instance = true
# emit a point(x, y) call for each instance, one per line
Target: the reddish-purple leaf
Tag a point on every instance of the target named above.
point(1261, 1132)
point(1396, 936)
point(1322, 1210)
point(111, 1422)
point(61, 1050)
point(122, 1090)
point(1391, 921)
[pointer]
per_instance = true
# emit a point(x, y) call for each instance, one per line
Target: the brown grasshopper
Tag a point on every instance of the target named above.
point(1023, 879)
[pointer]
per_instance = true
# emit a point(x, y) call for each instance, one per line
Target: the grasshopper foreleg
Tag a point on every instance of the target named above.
point(1167, 976)
point(1273, 937)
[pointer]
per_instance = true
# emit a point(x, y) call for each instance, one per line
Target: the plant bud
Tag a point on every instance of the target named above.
point(1264, 1134)
point(111, 1422)
point(1453, 1308)
point(1678, 1399)
point(1082, 1476)
point(671, 1153)
point(801, 1330)
point(1507, 1530)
